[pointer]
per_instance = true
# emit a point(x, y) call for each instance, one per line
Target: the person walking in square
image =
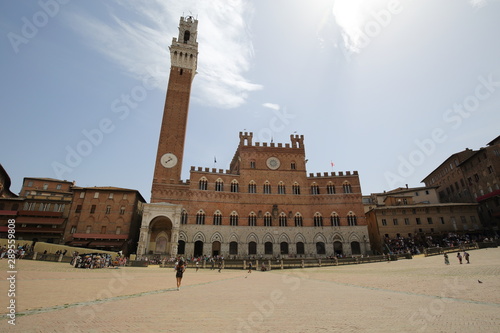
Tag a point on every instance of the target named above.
point(250, 267)
point(466, 256)
point(446, 260)
point(179, 271)
point(459, 256)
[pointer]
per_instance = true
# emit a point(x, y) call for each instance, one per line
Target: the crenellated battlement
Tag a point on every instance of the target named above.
point(333, 174)
point(297, 141)
point(246, 138)
point(211, 170)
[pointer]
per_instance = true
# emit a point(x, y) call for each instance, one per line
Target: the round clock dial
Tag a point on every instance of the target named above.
point(273, 163)
point(168, 160)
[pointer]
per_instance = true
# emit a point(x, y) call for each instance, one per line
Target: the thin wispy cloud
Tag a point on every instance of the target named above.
point(271, 106)
point(478, 3)
point(140, 44)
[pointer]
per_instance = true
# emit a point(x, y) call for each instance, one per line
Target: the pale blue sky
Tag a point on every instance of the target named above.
point(387, 88)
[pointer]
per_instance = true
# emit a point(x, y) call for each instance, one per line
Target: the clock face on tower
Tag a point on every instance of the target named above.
point(273, 163)
point(168, 160)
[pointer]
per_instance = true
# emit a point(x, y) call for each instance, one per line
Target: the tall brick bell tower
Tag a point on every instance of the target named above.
point(183, 58)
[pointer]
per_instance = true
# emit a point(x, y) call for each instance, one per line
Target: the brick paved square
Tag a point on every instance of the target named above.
point(418, 295)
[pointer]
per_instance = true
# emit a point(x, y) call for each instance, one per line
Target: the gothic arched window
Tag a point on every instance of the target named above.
point(203, 184)
point(234, 186)
point(351, 219)
point(267, 188)
point(184, 217)
point(219, 185)
point(335, 219)
point(252, 187)
point(298, 220)
point(318, 220)
point(233, 219)
point(217, 218)
point(268, 220)
point(282, 220)
point(347, 187)
point(200, 217)
point(252, 220)
point(281, 188)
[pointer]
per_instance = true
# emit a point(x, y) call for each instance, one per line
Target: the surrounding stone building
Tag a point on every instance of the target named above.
point(57, 211)
point(5, 184)
point(41, 210)
point(482, 175)
point(265, 204)
point(449, 179)
point(104, 218)
point(9, 202)
point(424, 195)
point(472, 176)
point(416, 213)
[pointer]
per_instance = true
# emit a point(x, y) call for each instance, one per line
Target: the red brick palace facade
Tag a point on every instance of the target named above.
point(265, 204)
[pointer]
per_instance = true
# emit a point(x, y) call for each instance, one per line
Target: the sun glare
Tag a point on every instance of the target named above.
point(350, 16)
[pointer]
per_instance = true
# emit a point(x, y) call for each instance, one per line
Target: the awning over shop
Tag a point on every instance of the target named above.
point(40, 230)
point(487, 196)
point(100, 236)
point(106, 244)
point(39, 220)
point(77, 243)
point(8, 212)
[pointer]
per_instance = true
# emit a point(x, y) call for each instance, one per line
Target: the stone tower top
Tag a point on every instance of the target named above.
point(184, 49)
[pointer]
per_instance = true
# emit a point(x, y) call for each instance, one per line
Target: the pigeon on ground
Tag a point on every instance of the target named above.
point(479, 281)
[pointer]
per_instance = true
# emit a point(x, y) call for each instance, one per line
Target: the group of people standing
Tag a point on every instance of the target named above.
point(18, 252)
point(466, 256)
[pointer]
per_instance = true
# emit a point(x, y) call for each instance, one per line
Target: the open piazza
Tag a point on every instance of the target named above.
point(409, 295)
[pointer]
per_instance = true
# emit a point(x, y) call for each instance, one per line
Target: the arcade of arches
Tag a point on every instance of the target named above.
point(337, 249)
point(161, 234)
